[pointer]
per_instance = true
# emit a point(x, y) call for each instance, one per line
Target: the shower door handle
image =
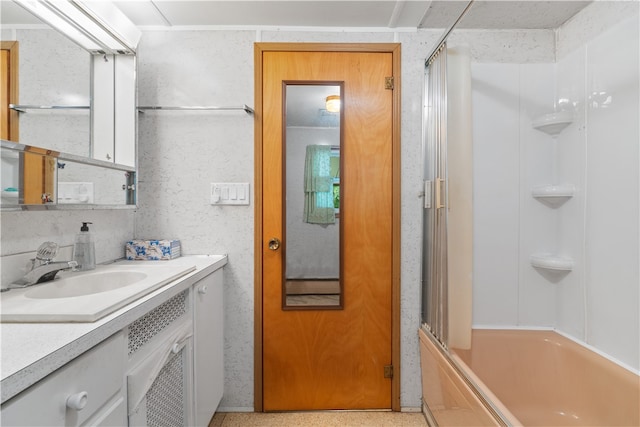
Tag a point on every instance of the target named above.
point(439, 191)
point(274, 244)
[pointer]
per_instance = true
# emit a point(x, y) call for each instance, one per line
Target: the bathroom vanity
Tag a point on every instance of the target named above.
point(156, 361)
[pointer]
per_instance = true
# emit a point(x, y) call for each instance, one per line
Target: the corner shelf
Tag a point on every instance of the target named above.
point(552, 262)
point(553, 123)
point(553, 196)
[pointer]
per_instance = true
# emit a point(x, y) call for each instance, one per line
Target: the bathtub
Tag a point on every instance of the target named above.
point(538, 378)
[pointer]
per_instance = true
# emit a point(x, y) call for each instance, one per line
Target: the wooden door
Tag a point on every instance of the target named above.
point(333, 359)
point(8, 89)
point(38, 166)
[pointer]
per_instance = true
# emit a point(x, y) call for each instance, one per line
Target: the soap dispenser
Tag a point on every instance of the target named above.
point(84, 249)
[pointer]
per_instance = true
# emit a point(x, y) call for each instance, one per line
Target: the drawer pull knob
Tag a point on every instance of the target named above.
point(202, 290)
point(78, 401)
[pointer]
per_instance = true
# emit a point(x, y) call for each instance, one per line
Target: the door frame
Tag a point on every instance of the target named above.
point(12, 116)
point(259, 49)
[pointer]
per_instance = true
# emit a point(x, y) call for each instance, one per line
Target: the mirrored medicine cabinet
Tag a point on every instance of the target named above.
point(68, 117)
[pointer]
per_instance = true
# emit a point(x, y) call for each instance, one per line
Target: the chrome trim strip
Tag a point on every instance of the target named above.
point(14, 146)
point(23, 108)
point(244, 107)
point(444, 37)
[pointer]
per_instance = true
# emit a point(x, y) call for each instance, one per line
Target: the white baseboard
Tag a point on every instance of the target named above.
point(235, 409)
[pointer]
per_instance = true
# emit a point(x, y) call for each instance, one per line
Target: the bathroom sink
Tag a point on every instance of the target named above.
point(87, 296)
point(92, 283)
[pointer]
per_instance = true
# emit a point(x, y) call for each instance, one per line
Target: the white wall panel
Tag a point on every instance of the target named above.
point(612, 238)
point(538, 223)
point(571, 151)
point(496, 152)
point(24, 231)
point(181, 153)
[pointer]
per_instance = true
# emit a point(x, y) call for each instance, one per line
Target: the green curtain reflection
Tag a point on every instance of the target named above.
point(318, 186)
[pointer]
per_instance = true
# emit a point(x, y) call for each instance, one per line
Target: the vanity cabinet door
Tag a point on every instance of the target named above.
point(86, 391)
point(208, 346)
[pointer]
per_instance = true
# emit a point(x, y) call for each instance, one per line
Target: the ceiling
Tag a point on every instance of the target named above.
point(350, 13)
point(374, 14)
point(485, 14)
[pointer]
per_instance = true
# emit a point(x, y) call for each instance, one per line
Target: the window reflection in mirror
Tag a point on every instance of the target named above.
point(312, 191)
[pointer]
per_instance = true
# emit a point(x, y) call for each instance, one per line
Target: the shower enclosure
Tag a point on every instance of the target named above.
point(532, 137)
point(448, 197)
point(434, 267)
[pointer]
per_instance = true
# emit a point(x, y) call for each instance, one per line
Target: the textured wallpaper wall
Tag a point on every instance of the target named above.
point(181, 153)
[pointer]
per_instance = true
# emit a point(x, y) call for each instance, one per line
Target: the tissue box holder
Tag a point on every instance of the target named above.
point(147, 250)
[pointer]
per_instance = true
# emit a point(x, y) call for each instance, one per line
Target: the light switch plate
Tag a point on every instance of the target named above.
point(230, 193)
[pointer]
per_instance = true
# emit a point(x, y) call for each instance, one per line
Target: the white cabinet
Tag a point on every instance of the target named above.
point(86, 391)
point(208, 346)
point(165, 368)
point(159, 380)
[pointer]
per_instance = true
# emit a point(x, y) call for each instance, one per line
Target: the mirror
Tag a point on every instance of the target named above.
point(37, 177)
point(82, 184)
point(312, 186)
point(52, 71)
point(38, 187)
point(69, 100)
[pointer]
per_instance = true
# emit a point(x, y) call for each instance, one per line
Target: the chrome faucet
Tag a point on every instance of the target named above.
point(43, 273)
point(42, 268)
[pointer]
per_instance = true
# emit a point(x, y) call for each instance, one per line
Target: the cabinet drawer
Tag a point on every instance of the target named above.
point(99, 373)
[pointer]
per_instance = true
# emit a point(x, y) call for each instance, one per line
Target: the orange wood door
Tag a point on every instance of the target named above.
point(333, 359)
point(4, 94)
point(8, 90)
point(38, 166)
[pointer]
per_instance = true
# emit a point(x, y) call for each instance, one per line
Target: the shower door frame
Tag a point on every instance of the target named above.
point(434, 225)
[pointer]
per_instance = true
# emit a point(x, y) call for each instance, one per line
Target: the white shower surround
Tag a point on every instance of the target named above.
point(598, 302)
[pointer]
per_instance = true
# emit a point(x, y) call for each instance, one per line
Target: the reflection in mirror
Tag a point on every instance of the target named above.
point(33, 177)
point(52, 71)
point(66, 99)
point(10, 178)
point(81, 184)
point(28, 177)
point(312, 220)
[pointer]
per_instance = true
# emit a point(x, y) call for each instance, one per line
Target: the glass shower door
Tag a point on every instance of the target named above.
point(434, 262)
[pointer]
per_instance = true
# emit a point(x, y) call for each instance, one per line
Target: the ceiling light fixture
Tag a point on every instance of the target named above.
point(99, 27)
point(332, 103)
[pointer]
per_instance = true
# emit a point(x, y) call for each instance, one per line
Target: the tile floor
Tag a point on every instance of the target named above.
point(319, 419)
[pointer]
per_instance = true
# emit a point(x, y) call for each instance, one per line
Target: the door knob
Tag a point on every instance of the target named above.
point(274, 244)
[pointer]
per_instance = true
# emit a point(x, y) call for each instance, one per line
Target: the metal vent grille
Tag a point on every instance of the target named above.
point(165, 398)
point(149, 325)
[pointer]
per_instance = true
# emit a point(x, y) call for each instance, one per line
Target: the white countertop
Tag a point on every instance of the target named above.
point(31, 351)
